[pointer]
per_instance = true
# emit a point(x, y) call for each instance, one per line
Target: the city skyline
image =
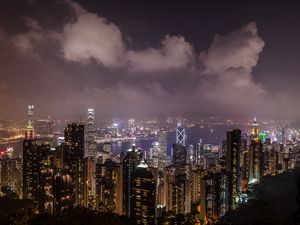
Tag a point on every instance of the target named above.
point(123, 60)
point(147, 171)
point(149, 112)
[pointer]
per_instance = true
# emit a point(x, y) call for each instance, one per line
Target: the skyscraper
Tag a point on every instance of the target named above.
point(196, 176)
point(30, 165)
point(38, 169)
point(190, 154)
point(89, 164)
point(109, 182)
point(179, 155)
point(198, 153)
point(90, 161)
point(45, 178)
point(130, 162)
point(62, 191)
point(233, 144)
point(73, 154)
point(43, 127)
point(180, 133)
point(37, 172)
point(177, 190)
point(256, 161)
point(153, 158)
point(213, 197)
point(144, 189)
point(91, 146)
point(254, 129)
point(30, 114)
point(163, 148)
point(11, 174)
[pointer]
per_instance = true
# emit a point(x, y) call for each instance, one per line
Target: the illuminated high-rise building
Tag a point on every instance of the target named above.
point(30, 165)
point(11, 174)
point(271, 160)
point(153, 158)
point(197, 175)
point(45, 178)
point(131, 126)
point(62, 191)
point(158, 152)
point(90, 185)
point(179, 155)
point(190, 154)
point(256, 161)
point(91, 146)
point(73, 154)
point(254, 129)
point(244, 160)
point(144, 192)
point(130, 162)
point(245, 166)
point(180, 133)
point(198, 153)
point(233, 145)
point(109, 183)
point(161, 196)
point(263, 137)
point(37, 172)
point(30, 114)
point(162, 146)
point(43, 127)
point(178, 189)
point(38, 165)
point(90, 160)
point(213, 197)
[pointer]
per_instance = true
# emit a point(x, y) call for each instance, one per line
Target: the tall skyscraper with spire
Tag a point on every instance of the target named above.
point(30, 114)
point(37, 169)
point(91, 146)
point(90, 160)
point(30, 162)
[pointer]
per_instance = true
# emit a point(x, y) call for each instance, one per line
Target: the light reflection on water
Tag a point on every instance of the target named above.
point(210, 134)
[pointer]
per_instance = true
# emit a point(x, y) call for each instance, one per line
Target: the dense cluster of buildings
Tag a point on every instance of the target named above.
point(147, 186)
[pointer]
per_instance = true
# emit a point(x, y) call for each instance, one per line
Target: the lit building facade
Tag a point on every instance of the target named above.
point(179, 155)
point(144, 192)
point(91, 145)
point(109, 191)
point(30, 165)
point(180, 133)
point(213, 197)
point(73, 155)
point(256, 161)
point(233, 145)
point(11, 174)
point(178, 190)
point(130, 162)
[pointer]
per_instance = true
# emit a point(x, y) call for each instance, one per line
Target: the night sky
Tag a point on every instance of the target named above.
point(148, 58)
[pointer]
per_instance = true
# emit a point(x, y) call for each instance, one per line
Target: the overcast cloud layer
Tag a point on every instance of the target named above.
point(87, 61)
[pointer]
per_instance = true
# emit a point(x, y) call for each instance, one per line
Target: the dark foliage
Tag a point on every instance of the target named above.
point(275, 201)
point(21, 212)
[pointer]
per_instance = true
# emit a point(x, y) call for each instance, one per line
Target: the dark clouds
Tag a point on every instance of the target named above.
point(86, 61)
